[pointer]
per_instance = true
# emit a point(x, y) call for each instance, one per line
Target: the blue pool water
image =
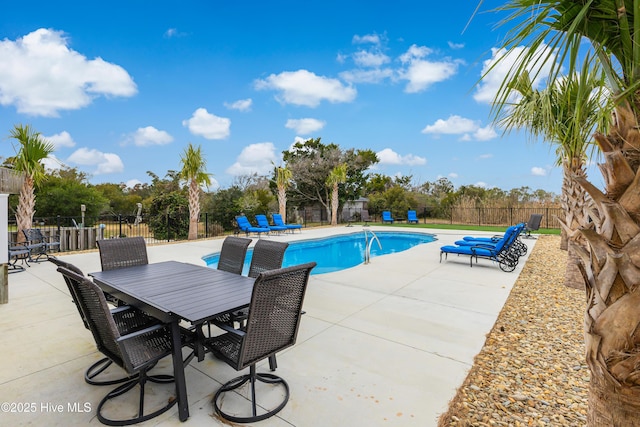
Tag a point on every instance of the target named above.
point(339, 252)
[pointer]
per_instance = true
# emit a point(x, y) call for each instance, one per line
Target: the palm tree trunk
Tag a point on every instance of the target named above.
point(334, 205)
point(194, 209)
point(26, 207)
point(282, 203)
point(610, 264)
point(574, 201)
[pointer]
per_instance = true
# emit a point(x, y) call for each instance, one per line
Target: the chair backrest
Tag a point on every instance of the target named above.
point(124, 252)
point(534, 222)
point(96, 312)
point(70, 285)
point(412, 216)
point(243, 222)
point(267, 255)
point(277, 219)
point(232, 254)
point(386, 215)
point(262, 221)
point(274, 312)
point(364, 215)
point(33, 235)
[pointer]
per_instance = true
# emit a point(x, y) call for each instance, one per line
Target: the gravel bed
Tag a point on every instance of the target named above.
point(531, 370)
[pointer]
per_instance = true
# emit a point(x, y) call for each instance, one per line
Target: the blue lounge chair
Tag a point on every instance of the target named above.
point(513, 233)
point(412, 217)
point(386, 217)
point(263, 222)
point(277, 220)
point(501, 252)
point(245, 225)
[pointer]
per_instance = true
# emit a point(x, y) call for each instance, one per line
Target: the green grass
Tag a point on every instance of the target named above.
point(498, 229)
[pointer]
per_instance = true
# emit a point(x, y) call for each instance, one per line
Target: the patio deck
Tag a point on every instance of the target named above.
point(381, 344)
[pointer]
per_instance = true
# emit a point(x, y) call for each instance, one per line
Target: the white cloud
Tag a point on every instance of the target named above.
point(255, 158)
point(453, 175)
point(303, 87)
point(375, 75)
point(364, 58)
point(481, 184)
point(538, 171)
point(422, 73)
point(240, 105)
point(171, 32)
point(40, 75)
point(484, 134)
point(491, 82)
point(390, 157)
point(453, 45)
point(453, 125)
point(52, 163)
point(457, 125)
point(305, 126)
point(147, 136)
point(62, 139)
point(208, 125)
point(415, 52)
point(104, 163)
point(368, 38)
point(485, 156)
point(132, 183)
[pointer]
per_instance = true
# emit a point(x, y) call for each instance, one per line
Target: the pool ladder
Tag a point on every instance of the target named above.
point(368, 243)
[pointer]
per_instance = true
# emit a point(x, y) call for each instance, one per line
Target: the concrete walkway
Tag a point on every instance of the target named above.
point(381, 344)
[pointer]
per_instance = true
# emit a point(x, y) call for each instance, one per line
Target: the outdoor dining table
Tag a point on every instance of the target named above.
point(173, 291)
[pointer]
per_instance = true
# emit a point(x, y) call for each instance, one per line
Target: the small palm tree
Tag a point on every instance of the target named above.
point(337, 176)
point(565, 113)
point(283, 179)
point(194, 172)
point(33, 148)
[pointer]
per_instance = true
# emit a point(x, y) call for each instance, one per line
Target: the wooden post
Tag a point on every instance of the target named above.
point(4, 249)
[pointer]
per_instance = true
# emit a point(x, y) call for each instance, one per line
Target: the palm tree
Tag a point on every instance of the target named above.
point(194, 172)
point(337, 176)
point(283, 179)
point(28, 160)
point(610, 263)
point(565, 113)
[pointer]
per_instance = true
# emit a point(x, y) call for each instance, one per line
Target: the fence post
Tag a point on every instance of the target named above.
point(168, 227)
point(206, 225)
point(479, 221)
point(119, 225)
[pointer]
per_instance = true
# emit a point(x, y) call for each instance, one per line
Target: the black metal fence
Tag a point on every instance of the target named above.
point(77, 233)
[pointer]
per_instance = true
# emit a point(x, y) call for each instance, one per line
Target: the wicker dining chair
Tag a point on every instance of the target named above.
point(274, 318)
point(128, 337)
point(232, 254)
point(101, 365)
point(267, 255)
point(123, 252)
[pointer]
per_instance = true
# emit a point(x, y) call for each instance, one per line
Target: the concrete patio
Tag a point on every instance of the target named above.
point(381, 344)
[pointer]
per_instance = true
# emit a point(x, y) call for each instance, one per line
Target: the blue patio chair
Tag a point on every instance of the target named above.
point(386, 217)
point(263, 222)
point(517, 246)
point(412, 217)
point(501, 252)
point(277, 220)
point(245, 225)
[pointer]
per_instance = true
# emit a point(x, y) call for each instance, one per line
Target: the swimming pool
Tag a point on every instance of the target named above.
point(339, 252)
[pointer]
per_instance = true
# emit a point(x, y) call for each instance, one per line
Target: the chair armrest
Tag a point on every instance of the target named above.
point(229, 329)
point(141, 332)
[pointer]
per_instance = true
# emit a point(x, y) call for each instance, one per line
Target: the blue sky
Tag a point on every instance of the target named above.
point(122, 87)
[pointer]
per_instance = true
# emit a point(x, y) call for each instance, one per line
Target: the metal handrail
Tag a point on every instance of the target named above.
point(368, 243)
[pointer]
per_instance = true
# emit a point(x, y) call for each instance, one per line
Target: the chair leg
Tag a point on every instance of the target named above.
point(273, 364)
point(252, 377)
point(140, 380)
point(99, 367)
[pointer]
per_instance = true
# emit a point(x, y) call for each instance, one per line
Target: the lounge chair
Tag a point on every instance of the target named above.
point(386, 217)
point(532, 225)
point(501, 252)
point(277, 220)
point(18, 252)
point(263, 222)
point(412, 217)
point(517, 247)
point(245, 225)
